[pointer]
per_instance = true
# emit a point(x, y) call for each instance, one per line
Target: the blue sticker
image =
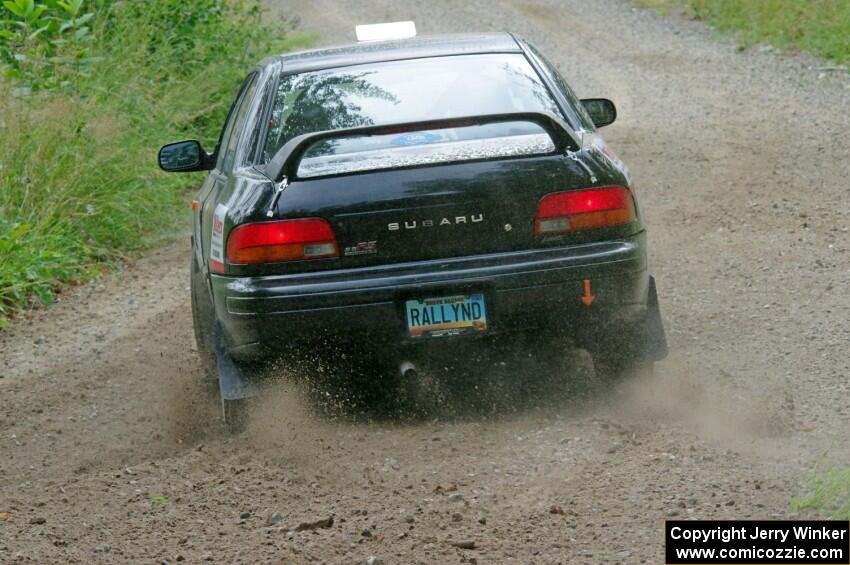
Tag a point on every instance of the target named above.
point(417, 138)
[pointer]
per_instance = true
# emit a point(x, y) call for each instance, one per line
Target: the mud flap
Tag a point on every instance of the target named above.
point(655, 340)
point(233, 383)
point(640, 341)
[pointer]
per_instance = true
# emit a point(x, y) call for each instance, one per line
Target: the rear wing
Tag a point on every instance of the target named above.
point(285, 162)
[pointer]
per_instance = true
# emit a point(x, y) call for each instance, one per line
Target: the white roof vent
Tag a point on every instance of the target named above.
point(383, 32)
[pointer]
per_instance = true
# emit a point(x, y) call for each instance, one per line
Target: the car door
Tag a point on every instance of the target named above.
point(218, 177)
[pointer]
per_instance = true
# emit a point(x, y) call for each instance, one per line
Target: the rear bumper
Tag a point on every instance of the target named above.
point(523, 290)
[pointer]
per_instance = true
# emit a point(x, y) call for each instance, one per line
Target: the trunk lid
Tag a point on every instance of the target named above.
point(431, 212)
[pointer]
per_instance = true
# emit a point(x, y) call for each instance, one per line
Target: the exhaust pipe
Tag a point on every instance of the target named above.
point(407, 370)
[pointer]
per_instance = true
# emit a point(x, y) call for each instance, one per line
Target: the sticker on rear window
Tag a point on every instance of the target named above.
point(217, 239)
point(417, 139)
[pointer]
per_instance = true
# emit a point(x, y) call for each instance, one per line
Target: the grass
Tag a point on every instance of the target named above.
point(828, 493)
point(79, 187)
point(820, 27)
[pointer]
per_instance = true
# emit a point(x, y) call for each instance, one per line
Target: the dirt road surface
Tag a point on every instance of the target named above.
point(110, 450)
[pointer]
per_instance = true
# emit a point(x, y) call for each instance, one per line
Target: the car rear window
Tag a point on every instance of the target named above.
point(409, 91)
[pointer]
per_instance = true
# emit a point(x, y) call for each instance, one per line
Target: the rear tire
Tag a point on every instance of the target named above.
point(203, 323)
point(614, 370)
point(235, 415)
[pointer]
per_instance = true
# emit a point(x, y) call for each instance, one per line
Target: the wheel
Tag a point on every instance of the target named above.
point(621, 353)
point(235, 415)
point(202, 310)
point(202, 323)
point(611, 369)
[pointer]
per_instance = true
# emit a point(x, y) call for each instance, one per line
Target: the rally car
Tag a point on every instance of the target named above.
point(410, 192)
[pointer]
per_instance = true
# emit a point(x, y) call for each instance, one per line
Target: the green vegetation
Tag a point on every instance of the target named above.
point(821, 27)
point(89, 91)
point(827, 492)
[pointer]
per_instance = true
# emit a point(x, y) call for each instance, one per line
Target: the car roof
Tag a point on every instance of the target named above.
point(395, 50)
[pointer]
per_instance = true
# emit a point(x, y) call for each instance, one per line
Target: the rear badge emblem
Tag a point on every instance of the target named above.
point(508, 227)
point(362, 248)
point(448, 221)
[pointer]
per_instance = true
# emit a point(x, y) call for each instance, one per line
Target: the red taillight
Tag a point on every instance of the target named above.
point(275, 242)
point(579, 210)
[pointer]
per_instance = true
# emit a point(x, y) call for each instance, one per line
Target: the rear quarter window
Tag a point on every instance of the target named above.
point(236, 123)
point(565, 89)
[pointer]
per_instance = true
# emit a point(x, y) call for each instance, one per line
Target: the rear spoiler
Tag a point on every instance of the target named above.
point(285, 162)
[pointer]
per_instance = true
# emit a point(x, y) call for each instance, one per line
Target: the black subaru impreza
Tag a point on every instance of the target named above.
point(408, 192)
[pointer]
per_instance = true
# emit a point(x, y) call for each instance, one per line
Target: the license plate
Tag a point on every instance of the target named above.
point(446, 315)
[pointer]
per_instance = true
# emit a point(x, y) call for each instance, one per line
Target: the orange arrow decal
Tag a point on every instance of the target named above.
point(588, 298)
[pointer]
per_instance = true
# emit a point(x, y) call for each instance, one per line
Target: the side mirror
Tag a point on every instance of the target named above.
point(602, 111)
point(184, 156)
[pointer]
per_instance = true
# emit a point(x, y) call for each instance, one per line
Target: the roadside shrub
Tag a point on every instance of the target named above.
point(79, 186)
point(41, 43)
point(821, 27)
point(828, 493)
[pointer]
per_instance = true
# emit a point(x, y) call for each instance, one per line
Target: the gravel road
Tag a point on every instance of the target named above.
point(109, 447)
